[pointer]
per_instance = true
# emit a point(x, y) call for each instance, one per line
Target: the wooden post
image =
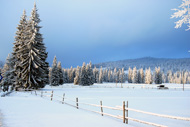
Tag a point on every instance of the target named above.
point(127, 113)
point(101, 108)
point(52, 95)
point(77, 104)
point(63, 98)
point(123, 111)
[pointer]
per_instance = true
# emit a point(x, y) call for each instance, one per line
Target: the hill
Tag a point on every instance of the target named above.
point(146, 62)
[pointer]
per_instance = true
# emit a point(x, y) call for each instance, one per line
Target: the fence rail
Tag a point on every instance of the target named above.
point(64, 100)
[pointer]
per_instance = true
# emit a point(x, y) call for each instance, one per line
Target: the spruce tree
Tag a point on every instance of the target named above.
point(88, 78)
point(158, 76)
point(8, 74)
point(90, 73)
point(109, 76)
point(96, 74)
point(122, 76)
point(83, 76)
point(100, 79)
point(140, 76)
point(19, 44)
point(34, 72)
point(76, 79)
point(130, 74)
point(54, 73)
point(148, 76)
point(60, 73)
point(135, 76)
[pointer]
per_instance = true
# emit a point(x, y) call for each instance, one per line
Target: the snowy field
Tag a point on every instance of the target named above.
point(23, 109)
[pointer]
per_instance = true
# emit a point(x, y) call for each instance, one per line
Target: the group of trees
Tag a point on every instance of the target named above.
point(79, 76)
point(180, 77)
point(26, 66)
point(85, 75)
point(138, 76)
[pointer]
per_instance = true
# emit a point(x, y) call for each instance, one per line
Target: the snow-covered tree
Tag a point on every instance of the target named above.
point(71, 74)
point(77, 73)
point(135, 76)
point(89, 78)
point(183, 13)
point(19, 44)
point(60, 73)
point(158, 76)
point(54, 73)
point(66, 76)
point(148, 76)
point(96, 75)
point(141, 76)
point(105, 75)
point(83, 76)
point(8, 74)
point(122, 76)
point(100, 79)
point(115, 79)
point(109, 76)
point(130, 74)
point(34, 71)
point(90, 74)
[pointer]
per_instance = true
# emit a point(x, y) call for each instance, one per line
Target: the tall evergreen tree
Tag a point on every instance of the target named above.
point(148, 76)
point(100, 80)
point(76, 79)
point(34, 72)
point(19, 44)
point(141, 76)
point(54, 73)
point(96, 74)
point(122, 76)
point(130, 74)
point(60, 73)
point(158, 76)
point(90, 73)
point(109, 76)
point(83, 76)
point(135, 76)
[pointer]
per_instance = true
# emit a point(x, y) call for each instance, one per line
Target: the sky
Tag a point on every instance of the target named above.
point(77, 31)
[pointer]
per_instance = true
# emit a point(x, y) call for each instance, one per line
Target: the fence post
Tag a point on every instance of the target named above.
point(63, 98)
point(123, 111)
point(127, 113)
point(52, 95)
point(42, 94)
point(101, 107)
point(77, 104)
point(35, 92)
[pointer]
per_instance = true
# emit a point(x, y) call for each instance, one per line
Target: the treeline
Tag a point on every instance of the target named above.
point(85, 75)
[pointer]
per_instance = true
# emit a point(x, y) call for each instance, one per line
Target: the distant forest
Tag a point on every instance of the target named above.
point(182, 64)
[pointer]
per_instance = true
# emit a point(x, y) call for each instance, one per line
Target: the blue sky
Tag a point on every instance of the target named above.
point(99, 30)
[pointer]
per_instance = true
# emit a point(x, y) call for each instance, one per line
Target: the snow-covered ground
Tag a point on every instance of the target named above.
point(23, 109)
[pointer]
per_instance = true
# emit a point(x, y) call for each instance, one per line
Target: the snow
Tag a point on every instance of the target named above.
point(23, 109)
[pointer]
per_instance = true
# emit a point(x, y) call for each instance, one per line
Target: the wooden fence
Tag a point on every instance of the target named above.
point(124, 108)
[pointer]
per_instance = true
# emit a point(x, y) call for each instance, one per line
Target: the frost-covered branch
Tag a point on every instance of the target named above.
point(183, 14)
